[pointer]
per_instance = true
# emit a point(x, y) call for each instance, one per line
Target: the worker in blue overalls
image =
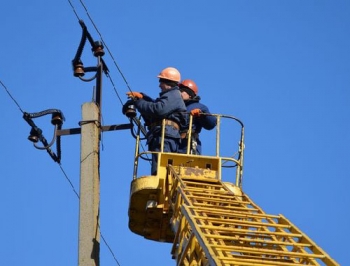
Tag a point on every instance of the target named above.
point(169, 106)
point(201, 116)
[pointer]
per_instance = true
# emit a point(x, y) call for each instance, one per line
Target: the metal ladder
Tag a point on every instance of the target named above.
point(213, 226)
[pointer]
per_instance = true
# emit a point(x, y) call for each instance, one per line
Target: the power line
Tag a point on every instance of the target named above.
point(107, 48)
point(115, 90)
point(13, 99)
point(102, 237)
point(112, 57)
point(64, 173)
point(69, 181)
point(109, 52)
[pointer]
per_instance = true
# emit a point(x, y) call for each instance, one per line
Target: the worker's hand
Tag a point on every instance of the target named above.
point(196, 112)
point(134, 95)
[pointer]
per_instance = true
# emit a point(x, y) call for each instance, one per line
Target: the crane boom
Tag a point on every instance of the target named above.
point(209, 221)
point(216, 226)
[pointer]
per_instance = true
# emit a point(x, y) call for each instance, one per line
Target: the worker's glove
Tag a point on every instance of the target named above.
point(196, 112)
point(134, 95)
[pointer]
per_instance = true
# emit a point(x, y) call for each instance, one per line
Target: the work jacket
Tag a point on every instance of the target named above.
point(169, 105)
point(203, 121)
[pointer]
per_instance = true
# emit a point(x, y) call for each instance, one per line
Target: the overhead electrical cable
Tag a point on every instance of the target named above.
point(63, 171)
point(14, 100)
point(134, 119)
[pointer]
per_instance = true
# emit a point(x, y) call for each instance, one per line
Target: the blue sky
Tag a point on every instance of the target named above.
point(282, 67)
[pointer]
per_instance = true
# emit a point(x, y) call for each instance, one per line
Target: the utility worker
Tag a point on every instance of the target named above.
point(201, 116)
point(169, 106)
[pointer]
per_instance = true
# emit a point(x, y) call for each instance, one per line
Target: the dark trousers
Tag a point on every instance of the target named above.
point(170, 145)
point(196, 146)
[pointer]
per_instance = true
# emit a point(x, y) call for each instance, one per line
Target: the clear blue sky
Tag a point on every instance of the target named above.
point(282, 67)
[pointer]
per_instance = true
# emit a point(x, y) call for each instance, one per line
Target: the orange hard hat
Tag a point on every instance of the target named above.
point(170, 73)
point(190, 84)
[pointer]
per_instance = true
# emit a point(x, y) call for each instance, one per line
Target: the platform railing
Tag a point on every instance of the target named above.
point(234, 161)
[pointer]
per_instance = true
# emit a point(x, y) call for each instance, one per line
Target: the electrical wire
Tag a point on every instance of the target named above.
point(112, 57)
point(66, 176)
point(69, 181)
point(112, 82)
point(64, 173)
point(13, 99)
point(114, 88)
point(105, 45)
point(107, 48)
point(102, 237)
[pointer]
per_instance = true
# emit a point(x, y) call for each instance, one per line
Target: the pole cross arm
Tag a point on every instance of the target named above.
point(73, 131)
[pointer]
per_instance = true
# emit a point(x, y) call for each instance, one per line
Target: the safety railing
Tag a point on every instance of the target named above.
point(230, 156)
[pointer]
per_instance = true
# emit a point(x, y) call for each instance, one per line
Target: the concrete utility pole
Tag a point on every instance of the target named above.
point(91, 128)
point(89, 216)
point(89, 220)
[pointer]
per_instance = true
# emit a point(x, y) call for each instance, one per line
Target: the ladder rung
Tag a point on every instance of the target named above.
point(265, 252)
point(249, 241)
point(239, 213)
point(253, 233)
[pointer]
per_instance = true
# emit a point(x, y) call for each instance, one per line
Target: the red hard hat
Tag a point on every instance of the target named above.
point(190, 84)
point(170, 73)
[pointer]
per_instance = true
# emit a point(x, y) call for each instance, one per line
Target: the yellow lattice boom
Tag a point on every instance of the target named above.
point(211, 222)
